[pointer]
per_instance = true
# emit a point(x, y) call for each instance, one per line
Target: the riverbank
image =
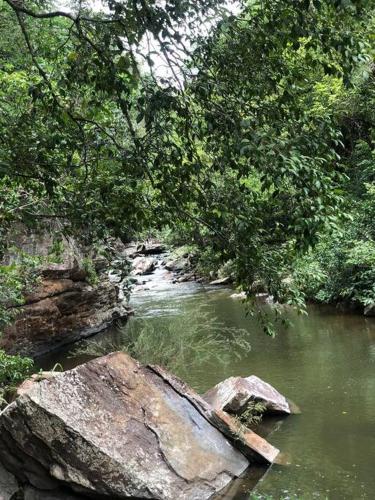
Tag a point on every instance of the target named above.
point(71, 292)
point(324, 361)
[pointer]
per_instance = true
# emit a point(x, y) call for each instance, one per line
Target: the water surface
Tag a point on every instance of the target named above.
point(324, 362)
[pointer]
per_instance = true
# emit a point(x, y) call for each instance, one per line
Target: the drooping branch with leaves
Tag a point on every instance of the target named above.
point(144, 113)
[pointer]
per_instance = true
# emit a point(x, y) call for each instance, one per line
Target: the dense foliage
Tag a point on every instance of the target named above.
point(272, 98)
point(254, 141)
point(342, 266)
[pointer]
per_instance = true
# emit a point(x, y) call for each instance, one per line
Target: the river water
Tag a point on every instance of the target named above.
point(324, 362)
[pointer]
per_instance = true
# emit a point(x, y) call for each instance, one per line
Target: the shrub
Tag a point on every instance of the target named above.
point(15, 280)
point(89, 268)
point(13, 370)
point(188, 341)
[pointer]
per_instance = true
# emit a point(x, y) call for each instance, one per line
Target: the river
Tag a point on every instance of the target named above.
point(325, 362)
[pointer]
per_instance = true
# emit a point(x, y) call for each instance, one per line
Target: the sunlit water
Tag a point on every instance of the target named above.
point(324, 362)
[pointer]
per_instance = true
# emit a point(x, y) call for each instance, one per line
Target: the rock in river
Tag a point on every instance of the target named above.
point(143, 265)
point(233, 395)
point(114, 428)
point(177, 265)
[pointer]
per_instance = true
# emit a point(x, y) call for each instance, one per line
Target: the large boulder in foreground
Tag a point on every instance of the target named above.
point(234, 394)
point(114, 428)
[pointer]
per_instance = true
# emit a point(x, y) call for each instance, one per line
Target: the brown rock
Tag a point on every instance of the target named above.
point(253, 446)
point(117, 429)
point(72, 311)
point(49, 288)
point(63, 307)
point(233, 395)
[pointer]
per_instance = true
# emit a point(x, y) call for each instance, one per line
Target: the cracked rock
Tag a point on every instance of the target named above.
point(113, 428)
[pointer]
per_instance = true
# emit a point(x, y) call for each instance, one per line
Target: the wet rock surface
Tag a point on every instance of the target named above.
point(251, 445)
point(117, 429)
point(222, 281)
point(176, 265)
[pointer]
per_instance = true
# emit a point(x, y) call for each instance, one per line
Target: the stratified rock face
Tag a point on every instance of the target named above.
point(254, 447)
point(117, 429)
point(233, 395)
point(62, 310)
point(64, 307)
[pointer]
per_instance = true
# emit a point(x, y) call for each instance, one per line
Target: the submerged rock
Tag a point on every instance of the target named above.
point(233, 395)
point(117, 429)
point(239, 295)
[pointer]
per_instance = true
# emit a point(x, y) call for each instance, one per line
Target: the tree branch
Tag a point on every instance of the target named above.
point(57, 13)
